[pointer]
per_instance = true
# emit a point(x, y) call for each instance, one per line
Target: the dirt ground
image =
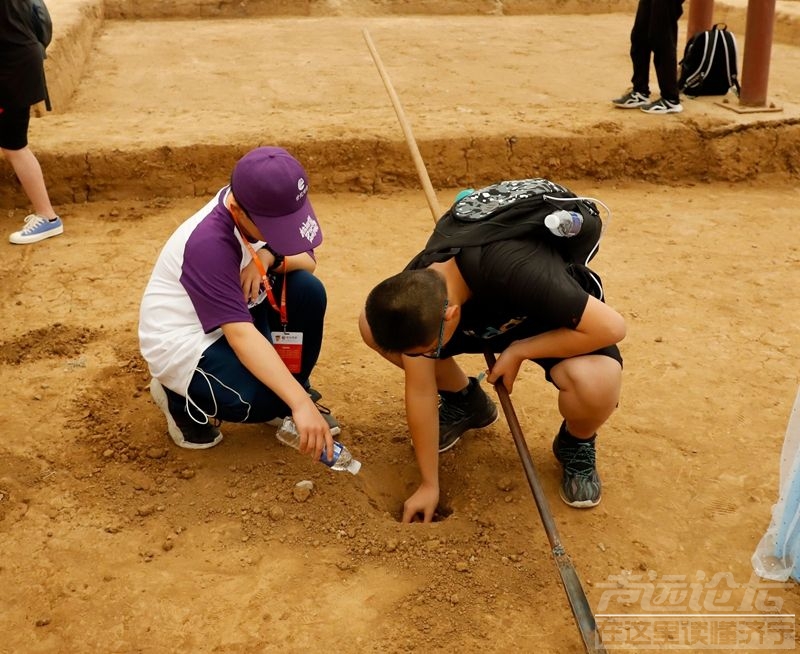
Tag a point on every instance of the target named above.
point(114, 540)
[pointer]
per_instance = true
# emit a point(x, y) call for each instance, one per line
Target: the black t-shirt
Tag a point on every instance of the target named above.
point(22, 82)
point(520, 288)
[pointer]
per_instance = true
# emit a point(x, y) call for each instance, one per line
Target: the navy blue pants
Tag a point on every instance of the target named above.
point(223, 388)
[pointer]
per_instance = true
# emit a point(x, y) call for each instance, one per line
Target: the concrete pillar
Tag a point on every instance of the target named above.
point(701, 17)
point(757, 52)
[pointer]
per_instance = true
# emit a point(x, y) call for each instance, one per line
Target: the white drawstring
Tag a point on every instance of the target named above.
point(191, 403)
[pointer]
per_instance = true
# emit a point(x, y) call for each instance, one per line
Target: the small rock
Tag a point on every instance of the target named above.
point(276, 513)
point(391, 545)
point(462, 566)
point(156, 453)
point(42, 622)
point(505, 484)
point(301, 493)
point(145, 510)
point(186, 473)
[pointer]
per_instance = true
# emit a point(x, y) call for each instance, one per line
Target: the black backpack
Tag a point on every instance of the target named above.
point(513, 209)
point(708, 66)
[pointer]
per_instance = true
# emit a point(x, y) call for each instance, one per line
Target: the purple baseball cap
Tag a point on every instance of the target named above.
point(272, 187)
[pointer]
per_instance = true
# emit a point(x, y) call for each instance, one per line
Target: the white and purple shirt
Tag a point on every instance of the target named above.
point(194, 289)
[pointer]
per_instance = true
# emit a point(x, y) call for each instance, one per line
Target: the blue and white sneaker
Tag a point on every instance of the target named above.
point(37, 228)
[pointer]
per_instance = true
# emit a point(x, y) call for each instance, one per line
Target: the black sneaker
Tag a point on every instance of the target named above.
point(460, 411)
point(580, 485)
point(184, 431)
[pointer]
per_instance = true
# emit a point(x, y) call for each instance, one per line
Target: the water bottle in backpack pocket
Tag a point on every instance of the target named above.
point(564, 223)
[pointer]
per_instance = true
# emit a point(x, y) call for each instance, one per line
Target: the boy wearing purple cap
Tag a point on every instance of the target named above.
point(231, 320)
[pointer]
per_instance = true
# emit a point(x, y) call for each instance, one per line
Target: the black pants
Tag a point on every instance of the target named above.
point(655, 29)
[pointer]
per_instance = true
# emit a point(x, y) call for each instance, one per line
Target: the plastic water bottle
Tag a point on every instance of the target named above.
point(342, 459)
point(564, 223)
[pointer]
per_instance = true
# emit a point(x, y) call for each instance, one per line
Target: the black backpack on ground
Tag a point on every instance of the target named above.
point(709, 66)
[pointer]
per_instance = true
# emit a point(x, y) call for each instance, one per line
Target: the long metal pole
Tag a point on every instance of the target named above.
point(569, 576)
point(566, 570)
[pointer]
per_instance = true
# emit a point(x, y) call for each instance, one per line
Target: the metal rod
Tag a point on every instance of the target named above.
point(578, 601)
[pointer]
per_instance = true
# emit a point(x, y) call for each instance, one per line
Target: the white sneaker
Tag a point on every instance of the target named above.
point(37, 228)
point(662, 106)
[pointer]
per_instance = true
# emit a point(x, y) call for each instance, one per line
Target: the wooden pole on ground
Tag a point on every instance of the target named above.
point(419, 164)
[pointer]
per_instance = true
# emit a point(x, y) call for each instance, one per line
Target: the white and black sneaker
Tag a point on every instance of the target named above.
point(632, 100)
point(663, 106)
point(184, 431)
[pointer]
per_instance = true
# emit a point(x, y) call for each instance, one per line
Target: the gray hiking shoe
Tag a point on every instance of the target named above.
point(580, 485)
point(460, 411)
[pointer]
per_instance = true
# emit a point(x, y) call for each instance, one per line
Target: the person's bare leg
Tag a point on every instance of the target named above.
point(589, 390)
point(29, 172)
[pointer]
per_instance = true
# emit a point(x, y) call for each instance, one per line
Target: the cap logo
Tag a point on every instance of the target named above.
point(301, 186)
point(309, 229)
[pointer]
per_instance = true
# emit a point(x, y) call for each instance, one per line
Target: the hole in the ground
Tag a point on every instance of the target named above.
point(442, 512)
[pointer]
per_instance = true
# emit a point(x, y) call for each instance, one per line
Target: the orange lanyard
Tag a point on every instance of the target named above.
point(265, 280)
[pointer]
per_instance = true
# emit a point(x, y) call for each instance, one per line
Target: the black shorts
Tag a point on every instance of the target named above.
point(14, 123)
point(460, 343)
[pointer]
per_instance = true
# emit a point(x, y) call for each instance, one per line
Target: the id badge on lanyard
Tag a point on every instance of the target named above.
point(289, 346)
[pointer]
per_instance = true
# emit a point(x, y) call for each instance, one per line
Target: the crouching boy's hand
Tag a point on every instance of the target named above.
point(424, 501)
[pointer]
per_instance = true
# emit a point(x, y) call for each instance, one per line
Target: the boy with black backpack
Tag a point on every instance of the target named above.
point(494, 278)
point(655, 30)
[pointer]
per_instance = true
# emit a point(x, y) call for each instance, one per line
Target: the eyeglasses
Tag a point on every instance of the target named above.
point(438, 350)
